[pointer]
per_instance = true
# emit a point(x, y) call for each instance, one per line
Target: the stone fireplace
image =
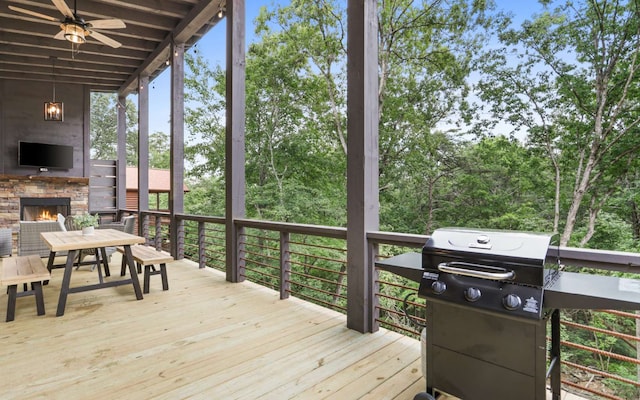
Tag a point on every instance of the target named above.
point(67, 195)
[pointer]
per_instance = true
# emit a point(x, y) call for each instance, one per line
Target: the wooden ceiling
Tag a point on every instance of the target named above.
point(28, 50)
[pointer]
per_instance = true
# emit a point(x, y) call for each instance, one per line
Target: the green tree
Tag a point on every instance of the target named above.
point(159, 152)
point(425, 53)
point(498, 186)
point(583, 99)
point(204, 117)
point(104, 125)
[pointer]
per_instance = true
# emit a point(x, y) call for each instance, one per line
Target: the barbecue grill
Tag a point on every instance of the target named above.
point(489, 297)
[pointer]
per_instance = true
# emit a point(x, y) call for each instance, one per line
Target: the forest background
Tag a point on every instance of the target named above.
point(482, 122)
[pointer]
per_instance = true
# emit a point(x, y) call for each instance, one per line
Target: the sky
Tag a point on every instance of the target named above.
point(212, 48)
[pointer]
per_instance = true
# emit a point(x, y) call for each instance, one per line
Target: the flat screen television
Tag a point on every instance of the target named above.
point(45, 155)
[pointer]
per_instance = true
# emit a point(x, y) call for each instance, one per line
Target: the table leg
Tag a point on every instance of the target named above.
point(99, 264)
point(52, 256)
point(132, 272)
point(66, 281)
point(105, 261)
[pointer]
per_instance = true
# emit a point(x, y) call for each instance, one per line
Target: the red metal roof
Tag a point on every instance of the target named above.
point(159, 180)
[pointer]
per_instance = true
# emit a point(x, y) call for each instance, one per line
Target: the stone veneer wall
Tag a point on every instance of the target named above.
point(13, 187)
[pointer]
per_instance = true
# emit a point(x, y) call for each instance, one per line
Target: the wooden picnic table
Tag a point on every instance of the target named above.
point(74, 241)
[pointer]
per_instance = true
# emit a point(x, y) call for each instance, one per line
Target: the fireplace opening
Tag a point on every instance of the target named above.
point(43, 208)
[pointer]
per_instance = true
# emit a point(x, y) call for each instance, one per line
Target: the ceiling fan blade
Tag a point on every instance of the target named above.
point(60, 36)
point(106, 24)
point(64, 9)
point(104, 39)
point(33, 13)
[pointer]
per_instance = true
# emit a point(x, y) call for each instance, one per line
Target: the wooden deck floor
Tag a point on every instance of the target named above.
point(205, 338)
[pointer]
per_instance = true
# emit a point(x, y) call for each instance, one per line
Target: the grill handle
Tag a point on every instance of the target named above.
point(454, 268)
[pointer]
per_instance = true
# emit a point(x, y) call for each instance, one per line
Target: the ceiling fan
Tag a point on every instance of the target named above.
point(74, 28)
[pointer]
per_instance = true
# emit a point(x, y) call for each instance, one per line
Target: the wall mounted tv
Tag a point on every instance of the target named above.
point(45, 155)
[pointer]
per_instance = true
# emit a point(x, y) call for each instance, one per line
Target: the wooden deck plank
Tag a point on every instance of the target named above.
point(204, 338)
point(338, 358)
point(409, 377)
point(362, 376)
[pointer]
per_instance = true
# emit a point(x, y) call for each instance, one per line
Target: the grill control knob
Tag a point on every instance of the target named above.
point(472, 294)
point(438, 287)
point(512, 302)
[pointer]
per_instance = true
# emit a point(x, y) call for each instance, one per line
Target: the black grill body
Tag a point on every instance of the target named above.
point(486, 324)
point(489, 298)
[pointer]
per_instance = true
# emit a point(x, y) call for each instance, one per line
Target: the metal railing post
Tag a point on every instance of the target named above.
point(158, 238)
point(201, 245)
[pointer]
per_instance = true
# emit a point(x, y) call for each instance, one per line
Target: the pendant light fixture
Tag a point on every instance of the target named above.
point(53, 110)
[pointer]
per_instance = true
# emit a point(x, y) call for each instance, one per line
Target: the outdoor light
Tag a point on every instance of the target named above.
point(74, 33)
point(53, 110)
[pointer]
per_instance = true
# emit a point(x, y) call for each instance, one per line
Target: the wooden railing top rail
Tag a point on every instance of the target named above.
point(578, 257)
point(201, 218)
point(316, 230)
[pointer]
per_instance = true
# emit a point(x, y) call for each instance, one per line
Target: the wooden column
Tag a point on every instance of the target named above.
point(362, 160)
point(176, 194)
point(143, 146)
point(121, 161)
point(86, 131)
point(234, 147)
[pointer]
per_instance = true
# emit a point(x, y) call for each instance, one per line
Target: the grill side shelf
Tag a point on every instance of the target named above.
point(583, 291)
point(407, 265)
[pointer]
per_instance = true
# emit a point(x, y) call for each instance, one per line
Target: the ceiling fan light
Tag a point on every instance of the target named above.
point(74, 33)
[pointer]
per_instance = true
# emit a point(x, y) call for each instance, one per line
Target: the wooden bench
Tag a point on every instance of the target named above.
point(24, 270)
point(148, 256)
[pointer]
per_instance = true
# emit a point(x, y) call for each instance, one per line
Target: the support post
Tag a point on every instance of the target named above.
point(143, 146)
point(121, 162)
point(362, 160)
point(234, 140)
point(176, 193)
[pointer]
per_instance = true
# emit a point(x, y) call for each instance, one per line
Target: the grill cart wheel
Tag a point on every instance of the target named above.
point(423, 396)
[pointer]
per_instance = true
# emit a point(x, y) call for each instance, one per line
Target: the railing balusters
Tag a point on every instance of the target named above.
point(285, 265)
point(201, 245)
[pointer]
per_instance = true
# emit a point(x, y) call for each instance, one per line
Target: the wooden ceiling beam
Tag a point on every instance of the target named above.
point(27, 44)
point(201, 14)
point(87, 80)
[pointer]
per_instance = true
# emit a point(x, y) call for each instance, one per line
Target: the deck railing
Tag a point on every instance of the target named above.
point(309, 262)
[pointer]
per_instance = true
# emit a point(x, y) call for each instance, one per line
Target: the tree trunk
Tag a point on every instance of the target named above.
point(556, 207)
point(635, 220)
point(578, 195)
point(591, 226)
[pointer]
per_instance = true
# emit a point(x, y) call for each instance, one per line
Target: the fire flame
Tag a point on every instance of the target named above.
point(45, 215)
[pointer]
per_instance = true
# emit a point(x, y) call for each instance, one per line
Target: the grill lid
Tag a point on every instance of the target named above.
point(525, 247)
point(524, 253)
